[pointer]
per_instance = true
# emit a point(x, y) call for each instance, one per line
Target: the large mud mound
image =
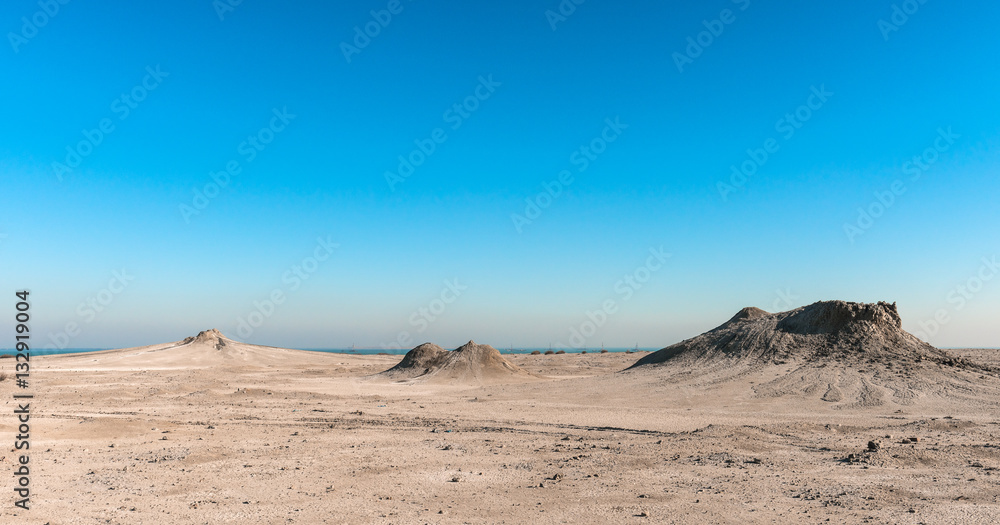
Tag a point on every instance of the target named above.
point(837, 351)
point(820, 331)
point(470, 363)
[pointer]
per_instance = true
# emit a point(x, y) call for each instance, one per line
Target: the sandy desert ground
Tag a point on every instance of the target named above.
point(212, 431)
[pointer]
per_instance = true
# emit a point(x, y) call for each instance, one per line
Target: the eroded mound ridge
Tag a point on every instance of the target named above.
point(833, 316)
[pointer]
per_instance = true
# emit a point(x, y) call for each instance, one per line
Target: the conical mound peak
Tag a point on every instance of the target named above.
point(750, 312)
point(211, 337)
point(474, 350)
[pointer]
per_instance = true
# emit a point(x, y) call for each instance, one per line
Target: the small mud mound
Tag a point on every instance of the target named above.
point(843, 353)
point(470, 363)
point(477, 361)
point(417, 362)
point(207, 349)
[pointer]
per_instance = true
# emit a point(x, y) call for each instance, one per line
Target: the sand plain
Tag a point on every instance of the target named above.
point(195, 432)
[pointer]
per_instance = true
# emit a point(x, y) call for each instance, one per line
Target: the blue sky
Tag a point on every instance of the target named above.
point(313, 130)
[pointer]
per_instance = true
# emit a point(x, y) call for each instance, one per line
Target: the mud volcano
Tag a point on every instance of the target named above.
point(835, 350)
point(470, 363)
point(823, 330)
point(208, 349)
point(417, 362)
point(211, 337)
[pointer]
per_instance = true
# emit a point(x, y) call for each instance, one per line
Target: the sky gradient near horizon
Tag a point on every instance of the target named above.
point(560, 171)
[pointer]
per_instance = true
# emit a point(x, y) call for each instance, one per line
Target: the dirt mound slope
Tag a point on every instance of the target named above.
point(471, 363)
point(417, 362)
point(210, 348)
point(854, 354)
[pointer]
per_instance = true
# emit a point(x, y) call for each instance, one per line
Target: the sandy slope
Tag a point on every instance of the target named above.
point(194, 433)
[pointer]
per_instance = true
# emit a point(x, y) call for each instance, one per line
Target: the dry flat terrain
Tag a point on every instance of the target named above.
point(212, 431)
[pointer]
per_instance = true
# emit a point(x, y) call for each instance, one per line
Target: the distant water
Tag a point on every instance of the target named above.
point(43, 351)
point(357, 351)
point(390, 351)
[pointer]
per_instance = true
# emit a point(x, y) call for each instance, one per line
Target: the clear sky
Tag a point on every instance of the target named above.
point(622, 122)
